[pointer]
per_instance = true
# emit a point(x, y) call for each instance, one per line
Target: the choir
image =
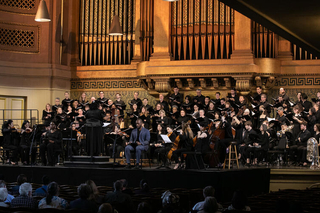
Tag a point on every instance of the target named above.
point(200, 124)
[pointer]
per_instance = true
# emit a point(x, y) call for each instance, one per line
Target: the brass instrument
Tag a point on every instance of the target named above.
point(281, 132)
point(313, 153)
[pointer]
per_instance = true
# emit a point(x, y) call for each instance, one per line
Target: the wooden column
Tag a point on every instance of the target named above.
point(242, 37)
point(161, 30)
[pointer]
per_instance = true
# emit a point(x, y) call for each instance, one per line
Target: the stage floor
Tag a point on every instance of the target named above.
point(253, 180)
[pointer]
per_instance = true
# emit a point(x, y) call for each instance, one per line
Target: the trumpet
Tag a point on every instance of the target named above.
point(281, 132)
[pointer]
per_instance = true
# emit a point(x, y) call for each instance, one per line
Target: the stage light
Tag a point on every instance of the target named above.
point(42, 13)
point(115, 28)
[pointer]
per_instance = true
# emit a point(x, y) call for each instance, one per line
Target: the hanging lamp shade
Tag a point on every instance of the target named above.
point(115, 28)
point(42, 13)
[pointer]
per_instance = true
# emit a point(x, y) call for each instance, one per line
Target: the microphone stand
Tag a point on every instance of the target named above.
point(30, 151)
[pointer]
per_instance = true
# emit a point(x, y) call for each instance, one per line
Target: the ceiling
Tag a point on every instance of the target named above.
point(295, 20)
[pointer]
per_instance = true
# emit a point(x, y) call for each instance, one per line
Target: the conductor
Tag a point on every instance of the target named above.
point(139, 141)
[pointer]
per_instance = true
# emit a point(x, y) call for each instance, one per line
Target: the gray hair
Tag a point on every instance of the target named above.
point(3, 194)
point(25, 188)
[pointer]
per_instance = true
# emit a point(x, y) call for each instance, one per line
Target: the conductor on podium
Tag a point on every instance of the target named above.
point(139, 141)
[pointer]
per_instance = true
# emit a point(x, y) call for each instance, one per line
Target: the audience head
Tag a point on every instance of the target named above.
point(25, 189)
point(53, 190)
point(3, 194)
point(144, 207)
point(210, 204)
point(105, 208)
point(93, 186)
point(22, 178)
point(170, 200)
point(144, 185)
point(84, 191)
point(239, 200)
point(117, 185)
point(45, 180)
point(2, 184)
point(124, 183)
point(208, 191)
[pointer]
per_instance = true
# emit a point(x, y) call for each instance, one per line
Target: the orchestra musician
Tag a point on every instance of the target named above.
point(25, 143)
point(247, 142)
point(185, 143)
point(139, 141)
point(120, 142)
point(47, 115)
point(202, 144)
point(52, 140)
point(10, 141)
point(163, 148)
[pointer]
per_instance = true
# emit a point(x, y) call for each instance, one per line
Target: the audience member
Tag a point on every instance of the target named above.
point(52, 200)
point(239, 202)
point(144, 207)
point(120, 201)
point(83, 203)
point(9, 196)
point(106, 208)
point(285, 206)
point(25, 198)
point(42, 191)
point(170, 203)
point(144, 188)
point(210, 205)
point(20, 180)
point(207, 191)
point(3, 197)
point(125, 188)
point(95, 195)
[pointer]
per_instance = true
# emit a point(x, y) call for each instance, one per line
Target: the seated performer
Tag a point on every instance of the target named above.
point(25, 143)
point(52, 144)
point(163, 148)
point(120, 139)
point(301, 141)
point(140, 138)
point(10, 141)
point(186, 141)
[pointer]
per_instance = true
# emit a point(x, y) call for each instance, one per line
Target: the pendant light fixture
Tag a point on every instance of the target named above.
point(42, 13)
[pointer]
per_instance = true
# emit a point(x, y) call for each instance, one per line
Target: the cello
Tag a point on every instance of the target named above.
point(219, 133)
point(176, 142)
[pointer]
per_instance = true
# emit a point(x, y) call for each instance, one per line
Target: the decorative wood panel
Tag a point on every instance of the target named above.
point(24, 7)
point(19, 38)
